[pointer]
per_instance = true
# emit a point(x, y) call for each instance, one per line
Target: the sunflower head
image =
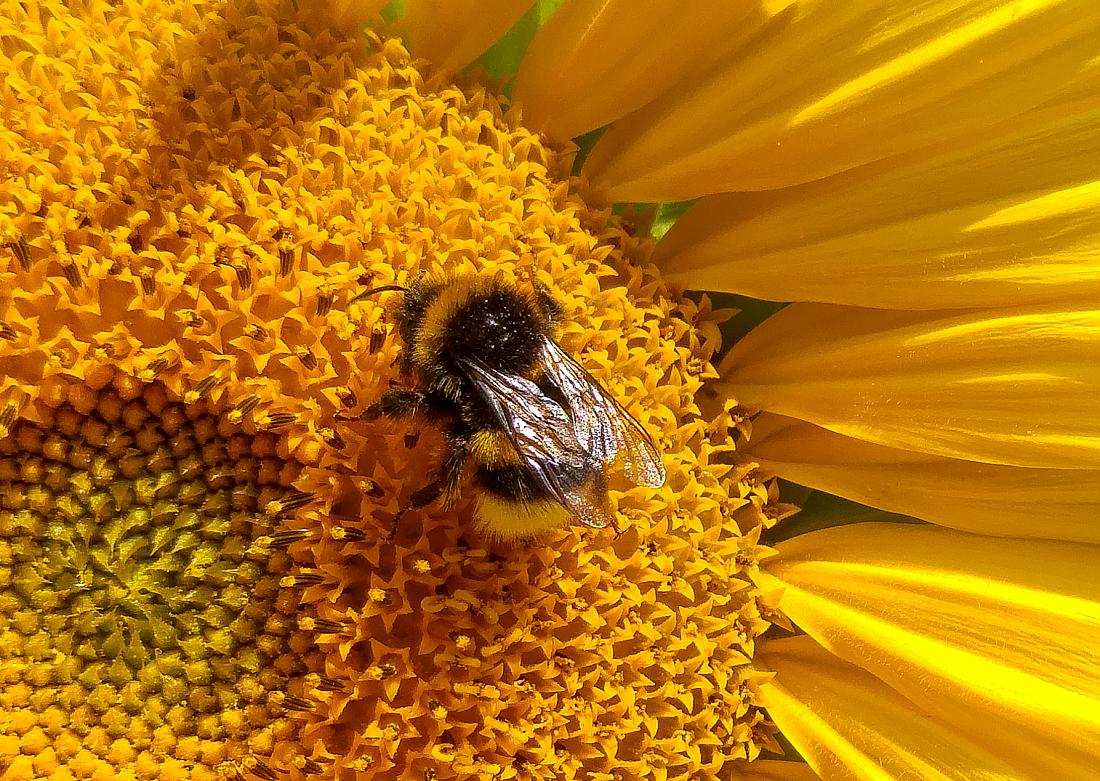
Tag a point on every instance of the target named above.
point(197, 574)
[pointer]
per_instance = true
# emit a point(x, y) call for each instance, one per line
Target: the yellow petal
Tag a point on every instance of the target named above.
point(1012, 215)
point(1006, 501)
point(835, 86)
point(1005, 387)
point(453, 33)
point(996, 636)
point(347, 16)
point(597, 60)
point(849, 724)
point(774, 770)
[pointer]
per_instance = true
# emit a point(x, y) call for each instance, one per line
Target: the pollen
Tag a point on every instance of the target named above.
point(200, 575)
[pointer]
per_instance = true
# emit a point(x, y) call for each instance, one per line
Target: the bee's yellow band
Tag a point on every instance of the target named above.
point(507, 520)
point(492, 448)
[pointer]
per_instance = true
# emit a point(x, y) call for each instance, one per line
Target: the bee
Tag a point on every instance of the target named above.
point(540, 431)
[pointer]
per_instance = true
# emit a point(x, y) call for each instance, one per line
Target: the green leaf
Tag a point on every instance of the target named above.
point(584, 146)
point(393, 11)
point(667, 214)
point(821, 511)
point(501, 61)
point(751, 312)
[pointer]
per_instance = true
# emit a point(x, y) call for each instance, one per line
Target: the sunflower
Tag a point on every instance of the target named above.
point(197, 575)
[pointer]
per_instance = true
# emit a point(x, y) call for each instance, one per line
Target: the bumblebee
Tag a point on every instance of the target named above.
point(541, 432)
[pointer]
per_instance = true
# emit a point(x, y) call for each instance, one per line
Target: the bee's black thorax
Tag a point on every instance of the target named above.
point(488, 321)
point(503, 330)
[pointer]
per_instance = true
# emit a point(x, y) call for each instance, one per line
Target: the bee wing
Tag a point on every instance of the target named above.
point(542, 434)
point(601, 424)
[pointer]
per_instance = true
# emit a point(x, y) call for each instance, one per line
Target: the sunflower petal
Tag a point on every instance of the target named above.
point(775, 770)
point(1006, 501)
point(1011, 215)
point(441, 30)
point(837, 86)
point(583, 68)
point(849, 724)
point(347, 16)
point(995, 636)
point(1005, 387)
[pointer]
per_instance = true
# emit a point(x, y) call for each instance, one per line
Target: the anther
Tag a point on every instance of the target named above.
point(346, 396)
point(106, 350)
point(323, 626)
point(186, 228)
point(302, 579)
point(331, 438)
point(148, 282)
point(255, 331)
point(292, 702)
point(292, 502)
point(373, 489)
point(7, 416)
point(286, 537)
point(347, 534)
point(158, 366)
point(7, 333)
point(242, 408)
point(21, 251)
point(244, 273)
point(381, 672)
point(189, 318)
point(309, 766)
point(286, 259)
point(308, 359)
point(272, 420)
point(258, 768)
point(323, 683)
point(201, 390)
point(324, 301)
point(71, 272)
point(63, 356)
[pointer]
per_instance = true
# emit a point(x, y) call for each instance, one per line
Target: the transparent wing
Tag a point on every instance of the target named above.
point(542, 434)
point(601, 424)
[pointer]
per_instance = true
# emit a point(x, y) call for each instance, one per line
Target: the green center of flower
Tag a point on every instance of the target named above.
point(141, 615)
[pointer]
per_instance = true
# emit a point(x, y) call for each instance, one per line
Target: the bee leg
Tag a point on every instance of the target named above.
point(419, 498)
point(397, 404)
point(392, 404)
point(445, 485)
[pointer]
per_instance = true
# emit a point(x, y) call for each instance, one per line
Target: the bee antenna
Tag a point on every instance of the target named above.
point(374, 290)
